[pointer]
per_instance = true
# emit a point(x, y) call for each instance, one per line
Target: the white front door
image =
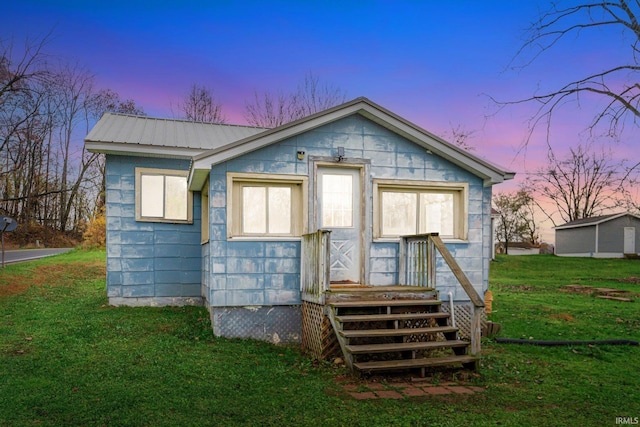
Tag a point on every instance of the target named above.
point(629, 240)
point(339, 195)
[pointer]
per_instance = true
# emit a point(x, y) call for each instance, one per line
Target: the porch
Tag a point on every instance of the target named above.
point(389, 328)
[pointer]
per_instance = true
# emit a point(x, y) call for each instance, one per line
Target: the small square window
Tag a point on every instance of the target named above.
point(162, 196)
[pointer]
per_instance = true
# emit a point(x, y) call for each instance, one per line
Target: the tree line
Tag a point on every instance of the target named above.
point(46, 107)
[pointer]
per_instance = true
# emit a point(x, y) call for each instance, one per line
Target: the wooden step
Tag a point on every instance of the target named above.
point(387, 365)
point(386, 303)
point(388, 317)
point(372, 333)
point(405, 346)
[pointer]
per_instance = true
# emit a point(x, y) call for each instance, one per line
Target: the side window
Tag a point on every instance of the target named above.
point(406, 208)
point(162, 196)
point(266, 205)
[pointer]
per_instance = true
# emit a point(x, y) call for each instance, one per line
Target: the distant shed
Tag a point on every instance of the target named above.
point(606, 236)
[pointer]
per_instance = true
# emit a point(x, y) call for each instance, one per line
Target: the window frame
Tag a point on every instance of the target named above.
point(139, 173)
point(204, 212)
point(460, 201)
point(299, 203)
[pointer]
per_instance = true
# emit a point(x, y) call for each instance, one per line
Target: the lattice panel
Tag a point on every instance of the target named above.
point(420, 323)
point(463, 314)
point(318, 337)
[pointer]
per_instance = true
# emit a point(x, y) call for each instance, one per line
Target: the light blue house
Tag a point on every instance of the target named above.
point(211, 214)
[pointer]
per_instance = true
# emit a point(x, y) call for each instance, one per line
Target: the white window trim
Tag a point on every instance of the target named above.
point(299, 220)
point(162, 172)
point(462, 225)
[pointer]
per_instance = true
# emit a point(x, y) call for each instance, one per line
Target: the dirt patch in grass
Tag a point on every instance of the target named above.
point(50, 275)
point(517, 287)
point(633, 280)
point(563, 316)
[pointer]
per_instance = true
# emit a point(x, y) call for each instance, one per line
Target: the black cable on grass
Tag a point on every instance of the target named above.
point(558, 343)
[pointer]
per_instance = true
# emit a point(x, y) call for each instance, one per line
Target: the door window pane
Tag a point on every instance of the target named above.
point(398, 213)
point(337, 200)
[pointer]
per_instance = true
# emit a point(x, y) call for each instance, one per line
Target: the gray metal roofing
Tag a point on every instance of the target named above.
point(593, 220)
point(129, 129)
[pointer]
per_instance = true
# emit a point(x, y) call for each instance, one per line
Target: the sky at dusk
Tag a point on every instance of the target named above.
point(434, 63)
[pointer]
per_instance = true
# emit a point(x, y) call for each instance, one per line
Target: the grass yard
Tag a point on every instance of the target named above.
point(67, 358)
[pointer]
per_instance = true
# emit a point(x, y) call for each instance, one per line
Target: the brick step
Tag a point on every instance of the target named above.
point(388, 365)
point(386, 303)
point(388, 317)
point(406, 346)
point(373, 333)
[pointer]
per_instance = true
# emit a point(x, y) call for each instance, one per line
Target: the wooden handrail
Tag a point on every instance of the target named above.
point(457, 271)
point(425, 262)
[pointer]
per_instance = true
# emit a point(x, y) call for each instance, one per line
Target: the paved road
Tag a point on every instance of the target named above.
point(29, 254)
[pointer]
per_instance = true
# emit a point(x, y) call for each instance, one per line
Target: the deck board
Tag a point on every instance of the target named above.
point(389, 317)
point(383, 365)
point(372, 333)
point(407, 346)
point(385, 303)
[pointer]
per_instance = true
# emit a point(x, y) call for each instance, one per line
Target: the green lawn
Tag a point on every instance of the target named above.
point(67, 358)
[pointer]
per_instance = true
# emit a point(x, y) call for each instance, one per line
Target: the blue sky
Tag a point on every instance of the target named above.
point(431, 62)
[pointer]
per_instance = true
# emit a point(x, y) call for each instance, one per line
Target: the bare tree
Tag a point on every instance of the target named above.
point(616, 84)
point(16, 70)
point(460, 136)
point(311, 96)
point(516, 222)
point(269, 110)
point(200, 105)
point(46, 175)
point(585, 183)
point(108, 100)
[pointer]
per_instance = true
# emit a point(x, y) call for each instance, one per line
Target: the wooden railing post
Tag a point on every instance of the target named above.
point(431, 264)
point(402, 260)
point(315, 266)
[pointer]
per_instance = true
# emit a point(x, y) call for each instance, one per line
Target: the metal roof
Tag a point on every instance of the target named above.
point(594, 220)
point(126, 133)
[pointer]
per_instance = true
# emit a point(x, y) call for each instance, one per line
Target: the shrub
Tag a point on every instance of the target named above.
point(96, 234)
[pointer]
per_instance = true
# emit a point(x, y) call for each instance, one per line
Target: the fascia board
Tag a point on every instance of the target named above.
point(569, 227)
point(141, 150)
point(490, 173)
point(196, 178)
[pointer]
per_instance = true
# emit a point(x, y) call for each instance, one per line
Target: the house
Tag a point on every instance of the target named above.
point(518, 248)
point(224, 215)
point(606, 236)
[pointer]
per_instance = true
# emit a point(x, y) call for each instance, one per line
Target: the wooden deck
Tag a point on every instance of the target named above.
point(387, 328)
